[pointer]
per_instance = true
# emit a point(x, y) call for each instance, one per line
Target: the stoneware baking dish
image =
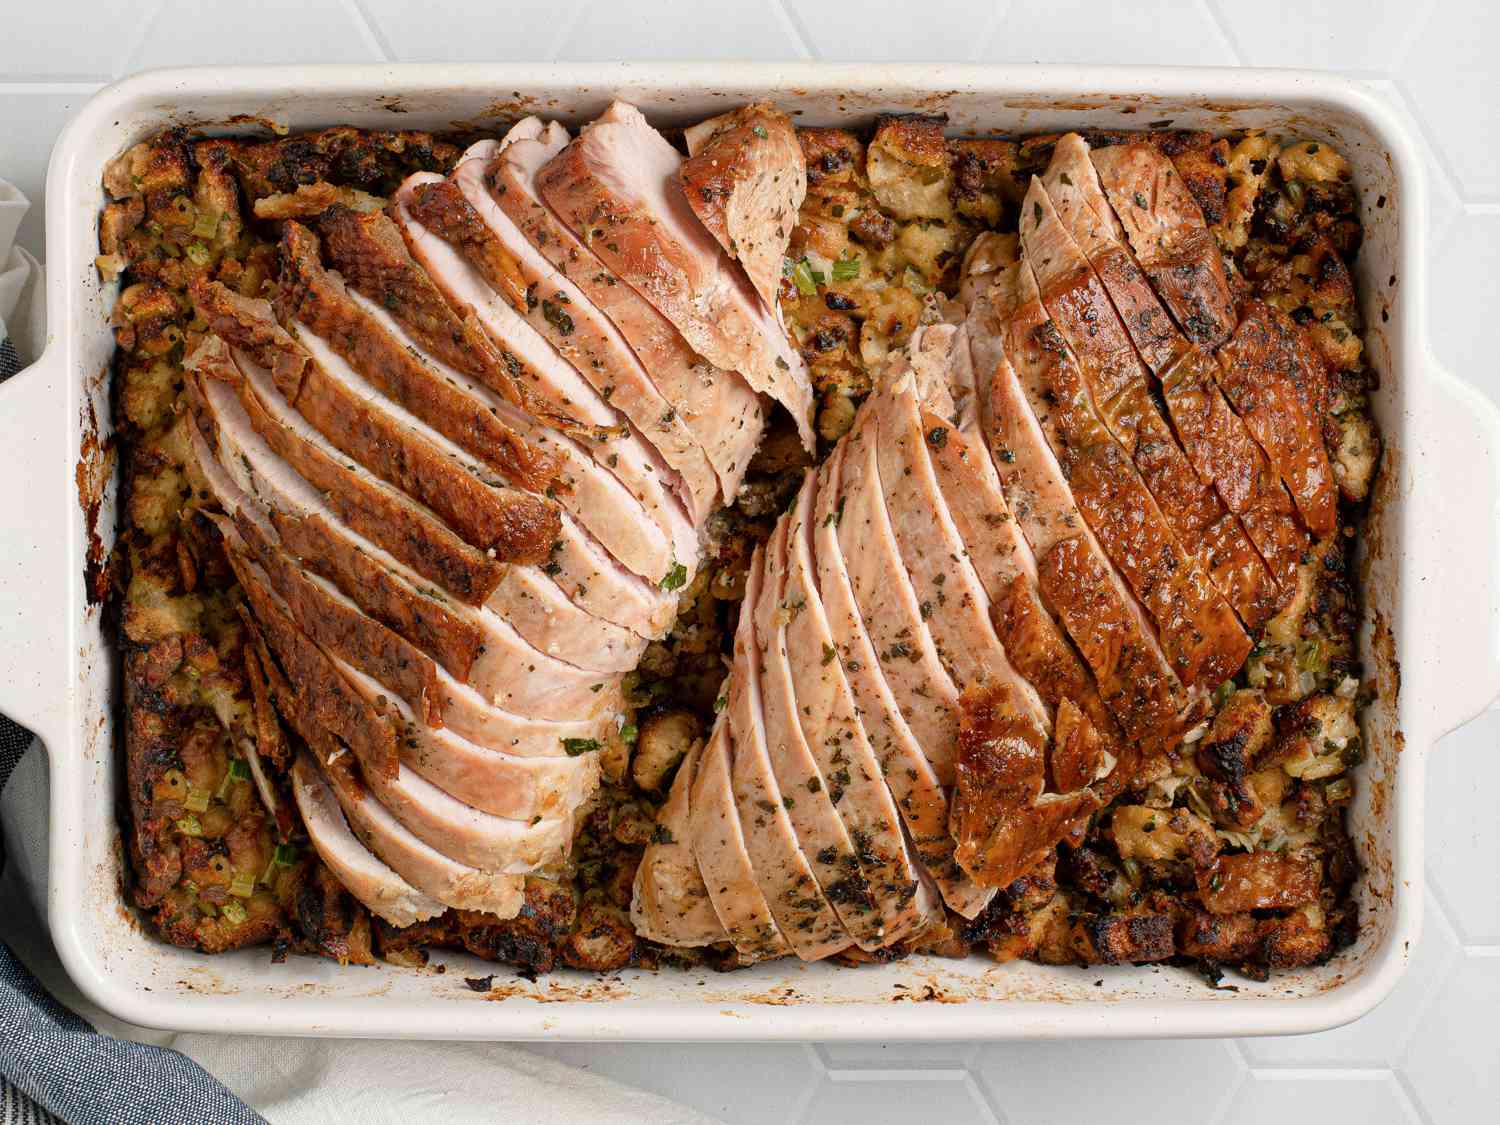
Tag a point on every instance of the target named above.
point(1431, 630)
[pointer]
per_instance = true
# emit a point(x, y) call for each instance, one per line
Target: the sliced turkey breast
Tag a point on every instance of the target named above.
point(379, 265)
point(474, 646)
point(669, 902)
point(1079, 306)
point(516, 525)
point(805, 789)
point(615, 446)
point(370, 506)
point(952, 602)
point(914, 785)
point(1128, 664)
point(459, 830)
point(723, 859)
point(1170, 239)
point(849, 773)
point(722, 411)
point(426, 868)
point(745, 179)
point(1199, 633)
point(374, 884)
point(616, 187)
point(888, 603)
point(1214, 437)
point(1037, 647)
point(802, 912)
point(462, 211)
point(1266, 372)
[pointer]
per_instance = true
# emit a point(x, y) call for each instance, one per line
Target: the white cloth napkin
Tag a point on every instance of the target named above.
point(288, 1081)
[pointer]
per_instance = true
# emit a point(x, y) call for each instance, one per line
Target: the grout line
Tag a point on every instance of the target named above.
point(981, 1099)
point(1408, 1093)
point(567, 27)
point(1331, 1073)
point(1485, 208)
point(1231, 1091)
point(137, 40)
point(1435, 152)
point(143, 30)
point(1216, 17)
point(374, 38)
point(794, 24)
point(895, 1074)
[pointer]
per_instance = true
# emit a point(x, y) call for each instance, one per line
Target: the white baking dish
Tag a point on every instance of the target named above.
point(1432, 618)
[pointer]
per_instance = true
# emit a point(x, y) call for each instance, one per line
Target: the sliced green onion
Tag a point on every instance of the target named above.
point(199, 254)
point(190, 826)
point(285, 855)
point(197, 800)
point(242, 885)
point(239, 769)
point(846, 269)
point(629, 733)
point(233, 913)
point(207, 224)
point(806, 278)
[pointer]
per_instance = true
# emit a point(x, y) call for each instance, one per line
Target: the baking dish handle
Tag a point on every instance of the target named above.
point(1458, 482)
point(35, 510)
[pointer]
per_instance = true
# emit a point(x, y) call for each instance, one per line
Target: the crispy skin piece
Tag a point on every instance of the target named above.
point(1074, 583)
point(336, 626)
point(1274, 385)
point(371, 253)
point(1003, 822)
point(1199, 633)
point(320, 697)
point(745, 179)
point(382, 515)
point(1233, 884)
point(373, 161)
point(319, 300)
point(519, 526)
point(442, 209)
point(1170, 239)
point(1222, 450)
point(1076, 299)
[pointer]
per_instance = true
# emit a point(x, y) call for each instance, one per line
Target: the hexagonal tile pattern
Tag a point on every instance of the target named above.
point(670, 29)
point(1326, 38)
point(1453, 1063)
point(424, 32)
point(949, 1096)
point(734, 1083)
point(1371, 1099)
point(1445, 65)
point(1378, 1039)
point(1430, 1053)
point(32, 30)
point(1079, 31)
point(957, 30)
point(1465, 284)
point(1465, 763)
point(187, 33)
point(1138, 1081)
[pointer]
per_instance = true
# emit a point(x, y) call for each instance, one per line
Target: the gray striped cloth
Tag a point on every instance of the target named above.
point(54, 1067)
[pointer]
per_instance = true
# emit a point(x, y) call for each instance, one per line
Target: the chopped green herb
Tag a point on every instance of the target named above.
point(676, 578)
point(760, 131)
point(577, 746)
point(558, 317)
point(846, 269)
point(806, 278)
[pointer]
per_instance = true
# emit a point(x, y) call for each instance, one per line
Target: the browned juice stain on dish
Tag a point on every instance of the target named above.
point(91, 476)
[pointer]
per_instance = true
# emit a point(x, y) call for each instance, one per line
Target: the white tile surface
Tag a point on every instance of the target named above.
point(1432, 1052)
